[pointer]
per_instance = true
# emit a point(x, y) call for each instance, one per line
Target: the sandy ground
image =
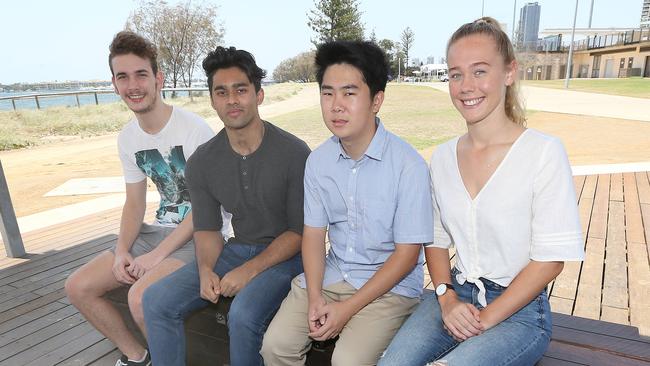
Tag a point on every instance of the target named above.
point(33, 172)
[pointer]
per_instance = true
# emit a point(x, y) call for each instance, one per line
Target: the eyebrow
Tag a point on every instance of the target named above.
point(348, 86)
point(120, 73)
point(480, 63)
point(235, 85)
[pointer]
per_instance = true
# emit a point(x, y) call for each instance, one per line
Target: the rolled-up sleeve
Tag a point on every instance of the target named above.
point(556, 230)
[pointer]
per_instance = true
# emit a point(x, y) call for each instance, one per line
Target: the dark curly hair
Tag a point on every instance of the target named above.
point(223, 58)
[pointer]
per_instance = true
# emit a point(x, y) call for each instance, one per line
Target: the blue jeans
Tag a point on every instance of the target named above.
point(521, 339)
point(169, 301)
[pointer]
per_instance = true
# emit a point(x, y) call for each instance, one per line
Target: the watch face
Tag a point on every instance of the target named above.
point(441, 289)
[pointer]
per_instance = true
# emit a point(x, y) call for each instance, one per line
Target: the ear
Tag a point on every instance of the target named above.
point(511, 72)
point(260, 96)
point(114, 85)
point(377, 101)
point(160, 79)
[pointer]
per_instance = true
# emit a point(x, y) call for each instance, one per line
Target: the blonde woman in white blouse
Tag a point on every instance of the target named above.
point(503, 196)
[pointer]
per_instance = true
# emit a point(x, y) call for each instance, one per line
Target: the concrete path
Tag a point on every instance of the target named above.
point(576, 102)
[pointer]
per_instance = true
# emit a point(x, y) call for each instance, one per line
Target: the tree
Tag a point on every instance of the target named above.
point(183, 33)
point(298, 68)
point(407, 38)
point(335, 20)
point(391, 50)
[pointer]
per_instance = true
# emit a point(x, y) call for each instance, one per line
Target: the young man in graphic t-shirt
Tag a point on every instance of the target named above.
point(155, 144)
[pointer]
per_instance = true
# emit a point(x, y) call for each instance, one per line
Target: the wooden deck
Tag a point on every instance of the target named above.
point(38, 326)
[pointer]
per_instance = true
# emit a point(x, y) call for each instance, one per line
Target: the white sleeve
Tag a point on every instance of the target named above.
point(441, 238)
point(201, 134)
point(556, 230)
point(132, 174)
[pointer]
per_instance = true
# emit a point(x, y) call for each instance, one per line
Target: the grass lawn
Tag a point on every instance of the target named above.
point(630, 87)
point(420, 115)
point(29, 127)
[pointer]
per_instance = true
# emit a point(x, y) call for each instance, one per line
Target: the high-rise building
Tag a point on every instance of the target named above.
point(645, 14)
point(528, 29)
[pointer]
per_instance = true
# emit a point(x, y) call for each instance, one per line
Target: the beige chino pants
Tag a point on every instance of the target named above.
point(361, 342)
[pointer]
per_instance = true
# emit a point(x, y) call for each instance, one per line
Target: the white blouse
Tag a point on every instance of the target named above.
point(526, 211)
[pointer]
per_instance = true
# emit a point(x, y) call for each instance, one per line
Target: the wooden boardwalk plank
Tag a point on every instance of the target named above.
point(643, 186)
point(75, 346)
point(30, 306)
point(17, 347)
point(633, 223)
point(20, 321)
point(588, 298)
point(50, 344)
point(566, 284)
point(616, 190)
point(90, 354)
point(615, 282)
point(37, 324)
point(598, 221)
point(639, 274)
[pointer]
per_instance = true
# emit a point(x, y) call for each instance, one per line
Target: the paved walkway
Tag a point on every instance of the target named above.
point(576, 102)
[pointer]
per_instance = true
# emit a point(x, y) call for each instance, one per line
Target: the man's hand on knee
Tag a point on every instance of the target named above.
point(120, 264)
point(140, 265)
point(210, 289)
point(236, 279)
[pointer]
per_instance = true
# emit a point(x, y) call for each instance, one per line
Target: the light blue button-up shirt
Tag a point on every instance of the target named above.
point(369, 205)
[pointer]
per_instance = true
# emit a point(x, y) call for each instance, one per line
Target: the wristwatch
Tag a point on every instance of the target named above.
point(442, 288)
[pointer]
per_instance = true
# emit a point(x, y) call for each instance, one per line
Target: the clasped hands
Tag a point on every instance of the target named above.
point(326, 320)
point(463, 320)
point(212, 286)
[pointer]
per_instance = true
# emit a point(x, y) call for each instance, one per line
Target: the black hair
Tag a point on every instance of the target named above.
point(223, 58)
point(366, 56)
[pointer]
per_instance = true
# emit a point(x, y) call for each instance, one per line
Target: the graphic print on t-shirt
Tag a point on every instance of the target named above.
point(168, 174)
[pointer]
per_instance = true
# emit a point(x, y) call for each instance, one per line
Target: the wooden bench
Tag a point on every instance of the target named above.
point(576, 341)
point(206, 333)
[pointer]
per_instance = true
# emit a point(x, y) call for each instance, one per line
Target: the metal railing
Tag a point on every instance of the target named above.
point(39, 97)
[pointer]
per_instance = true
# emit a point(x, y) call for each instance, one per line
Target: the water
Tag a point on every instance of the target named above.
point(63, 100)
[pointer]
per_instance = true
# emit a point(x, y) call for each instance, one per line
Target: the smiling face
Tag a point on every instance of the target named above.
point(478, 77)
point(347, 108)
point(234, 98)
point(136, 83)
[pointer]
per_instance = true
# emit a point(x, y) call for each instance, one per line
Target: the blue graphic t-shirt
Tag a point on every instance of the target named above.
point(162, 157)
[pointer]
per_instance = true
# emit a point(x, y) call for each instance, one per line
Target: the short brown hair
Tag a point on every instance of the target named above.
point(126, 42)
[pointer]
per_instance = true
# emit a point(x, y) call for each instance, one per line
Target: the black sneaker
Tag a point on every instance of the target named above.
point(124, 361)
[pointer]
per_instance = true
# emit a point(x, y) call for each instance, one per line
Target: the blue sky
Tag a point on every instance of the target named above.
point(68, 39)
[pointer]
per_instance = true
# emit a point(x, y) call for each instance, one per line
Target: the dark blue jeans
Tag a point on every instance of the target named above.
point(521, 339)
point(169, 301)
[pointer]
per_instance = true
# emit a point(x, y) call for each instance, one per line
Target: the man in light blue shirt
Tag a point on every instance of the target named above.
point(371, 190)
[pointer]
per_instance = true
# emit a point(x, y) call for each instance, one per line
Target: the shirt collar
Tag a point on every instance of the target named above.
point(376, 148)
